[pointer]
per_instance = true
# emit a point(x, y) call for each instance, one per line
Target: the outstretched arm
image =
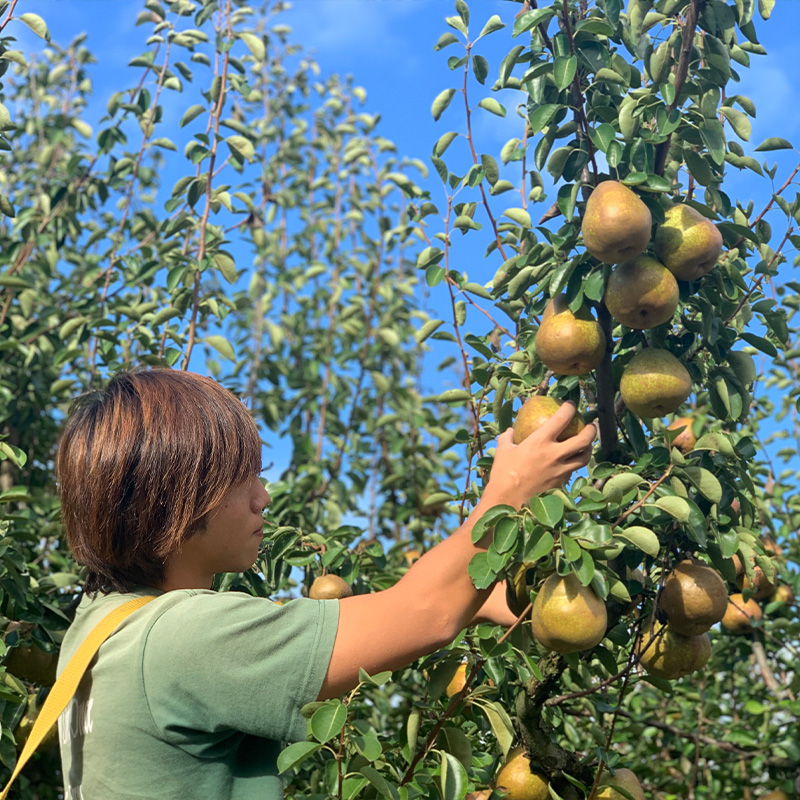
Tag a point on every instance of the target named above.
point(436, 598)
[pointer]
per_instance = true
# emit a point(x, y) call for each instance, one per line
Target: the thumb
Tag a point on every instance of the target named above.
point(559, 421)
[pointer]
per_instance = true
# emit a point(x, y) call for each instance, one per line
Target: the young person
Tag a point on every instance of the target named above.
point(195, 693)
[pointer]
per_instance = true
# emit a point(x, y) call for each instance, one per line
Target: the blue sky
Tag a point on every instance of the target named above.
point(387, 45)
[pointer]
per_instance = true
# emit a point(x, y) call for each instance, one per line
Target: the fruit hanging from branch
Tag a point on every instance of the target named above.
point(687, 243)
point(641, 293)
point(694, 598)
point(569, 343)
point(535, 411)
point(655, 383)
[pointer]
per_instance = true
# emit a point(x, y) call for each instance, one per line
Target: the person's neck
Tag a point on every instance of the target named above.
point(176, 577)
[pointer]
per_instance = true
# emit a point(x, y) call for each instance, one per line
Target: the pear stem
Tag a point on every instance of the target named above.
point(606, 417)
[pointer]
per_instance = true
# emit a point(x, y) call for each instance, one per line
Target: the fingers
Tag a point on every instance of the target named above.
point(505, 439)
point(559, 421)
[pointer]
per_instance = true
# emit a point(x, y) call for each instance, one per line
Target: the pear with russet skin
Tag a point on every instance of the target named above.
point(672, 655)
point(687, 243)
point(641, 293)
point(739, 615)
point(567, 343)
point(685, 440)
point(625, 779)
point(329, 587)
point(694, 598)
point(616, 223)
point(535, 411)
point(654, 383)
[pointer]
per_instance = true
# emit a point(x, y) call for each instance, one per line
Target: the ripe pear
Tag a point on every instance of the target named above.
point(329, 587)
point(783, 594)
point(641, 293)
point(672, 655)
point(567, 343)
point(685, 440)
point(568, 617)
point(694, 598)
point(760, 587)
point(687, 243)
point(616, 223)
point(519, 585)
point(738, 615)
point(26, 723)
point(625, 779)
point(654, 383)
point(535, 411)
point(515, 781)
point(778, 794)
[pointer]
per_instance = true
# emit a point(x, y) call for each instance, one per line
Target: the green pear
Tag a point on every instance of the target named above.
point(654, 383)
point(535, 411)
point(567, 343)
point(623, 778)
point(687, 243)
point(641, 293)
point(616, 223)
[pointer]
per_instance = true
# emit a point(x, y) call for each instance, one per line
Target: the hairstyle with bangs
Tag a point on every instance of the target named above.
point(141, 463)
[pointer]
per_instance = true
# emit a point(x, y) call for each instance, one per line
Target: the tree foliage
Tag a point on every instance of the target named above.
point(237, 212)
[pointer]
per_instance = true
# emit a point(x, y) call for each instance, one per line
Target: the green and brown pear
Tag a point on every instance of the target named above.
point(672, 655)
point(654, 383)
point(625, 779)
point(616, 223)
point(687, 243)
point(567, 616)
point(641, 293)
point(694, 598)
point(535, 411)
point(567, 343)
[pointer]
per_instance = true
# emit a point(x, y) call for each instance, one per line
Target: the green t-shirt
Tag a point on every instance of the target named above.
point(192, 695)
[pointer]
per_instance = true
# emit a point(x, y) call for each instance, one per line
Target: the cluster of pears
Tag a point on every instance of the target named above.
point(692, 599)
point(641, 293)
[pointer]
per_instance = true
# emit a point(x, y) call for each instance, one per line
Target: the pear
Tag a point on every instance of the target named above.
point(685, 440)
point(329, 587)
point(694, 598)
point(625, 779)
point(687, 243)
point(568, 617)
point(783, 594)
point(518, 586)
point(739, 615)
point(760, 587)
point(616, 223)
point(641, 293)
point(535, 411)
point(458, 681)
point(654, 383)
point(567, 343)
point(515, 781)
point(673, 655)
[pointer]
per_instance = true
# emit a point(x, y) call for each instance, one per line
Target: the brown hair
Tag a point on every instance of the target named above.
point(140, 465)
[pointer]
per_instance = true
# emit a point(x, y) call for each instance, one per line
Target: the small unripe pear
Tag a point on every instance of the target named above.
point(624, 778)
point(685, 440)
point(616, 223)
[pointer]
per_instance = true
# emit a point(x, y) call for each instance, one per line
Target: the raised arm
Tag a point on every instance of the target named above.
point(436, 598)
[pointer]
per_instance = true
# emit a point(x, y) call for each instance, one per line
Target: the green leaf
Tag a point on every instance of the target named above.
point(564, 69)
point(441, 102)
point(572, 550)
point(221, 345)
point(191, 113)
point(500, 723)
point(524, 22)
point(518, 215)
point(488, 519)
point(482, 575)
point(541, 547)
point(453, 777)
point(765, 8)
point(427, 329)
point(36, 24)
point(739, 122)
point(296, 753)
point(542, 116)
point(490, 104)
point(379, 782)
point(619, 485)
point(676, 507)
point(480, 66)
point(5, 118)
point(717, 442)
point(548, 509)
point(445, 140)
point(7, 208)
point(412, 730)
point(706, 482)
point(255, 44)
point(328, 721)
point(224, 262)
point(505, 534)
point(452, 740)
point(492, 24)
point(774, 143)
point(641, 538)
point(241, 146)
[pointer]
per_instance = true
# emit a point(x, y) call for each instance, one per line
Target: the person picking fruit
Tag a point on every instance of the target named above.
point(195, 692)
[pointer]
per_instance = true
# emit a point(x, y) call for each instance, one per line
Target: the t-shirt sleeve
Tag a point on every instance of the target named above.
point(228, 661)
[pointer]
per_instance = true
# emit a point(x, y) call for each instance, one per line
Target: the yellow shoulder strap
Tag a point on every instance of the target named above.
point(67, 683)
